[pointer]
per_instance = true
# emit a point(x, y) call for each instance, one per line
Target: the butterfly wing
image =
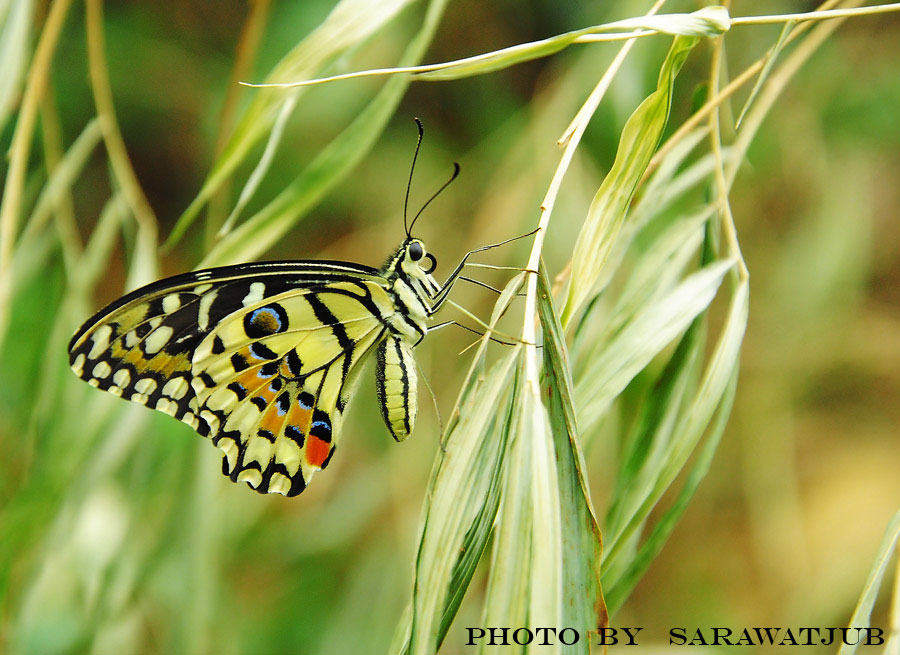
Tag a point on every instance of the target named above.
point(259, 357)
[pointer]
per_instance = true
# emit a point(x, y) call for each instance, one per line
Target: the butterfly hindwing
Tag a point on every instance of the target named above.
point(260, 358)
point(272, 378)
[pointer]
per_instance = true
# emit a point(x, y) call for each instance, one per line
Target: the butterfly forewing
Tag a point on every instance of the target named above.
point(260, 357)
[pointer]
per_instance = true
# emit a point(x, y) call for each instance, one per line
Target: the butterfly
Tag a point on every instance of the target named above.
point(262, 358)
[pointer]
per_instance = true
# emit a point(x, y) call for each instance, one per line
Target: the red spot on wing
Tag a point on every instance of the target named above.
point(316, 451)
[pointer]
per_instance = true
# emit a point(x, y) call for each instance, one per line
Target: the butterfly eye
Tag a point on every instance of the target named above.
point(433, 266)
point(415, 251)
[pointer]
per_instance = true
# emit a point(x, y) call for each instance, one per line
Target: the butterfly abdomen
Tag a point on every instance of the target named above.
point(396, 386)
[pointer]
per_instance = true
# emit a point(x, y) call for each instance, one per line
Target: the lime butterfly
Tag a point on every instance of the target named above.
point(262, 357)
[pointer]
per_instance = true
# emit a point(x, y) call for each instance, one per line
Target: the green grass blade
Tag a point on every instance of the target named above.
point(653, 328)
point(639, 140)
point(259, 172)
point(264, 228)
point(583, 604)
point(461, 506)
point(349, 23)
point(862, 615)
point(710, 21)
point(667, 171)
point(622, 585)
point(463, 496)
point(771, 57)
point(659, 268)
point(646, 445)
point(15, 27)
point(63, 177)
point(690, 427)
point(525, 583)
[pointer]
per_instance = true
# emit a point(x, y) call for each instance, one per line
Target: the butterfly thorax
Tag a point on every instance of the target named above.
point(411, 288)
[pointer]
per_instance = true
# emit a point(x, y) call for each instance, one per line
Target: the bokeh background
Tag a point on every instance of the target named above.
point(130, 541)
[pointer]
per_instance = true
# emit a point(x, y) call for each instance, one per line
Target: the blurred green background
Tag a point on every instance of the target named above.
point(127, 539)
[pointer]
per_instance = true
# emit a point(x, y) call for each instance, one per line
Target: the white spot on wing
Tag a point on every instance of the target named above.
point(78, 365)
point(257, 290)
point(100, 341)
point(131, 339)
point(145, 386)
point(167, 406)
point(203, 313)
point(171, 303)
point(122, 377)
point(176, 388)
point(157, 339)
point(101, 370)
point(231, 451)
point(211, 419)
point(221, 399)
point(251, 477)
point(279, 484)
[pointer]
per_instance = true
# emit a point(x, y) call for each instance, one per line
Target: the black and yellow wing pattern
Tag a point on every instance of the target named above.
point(262, 358)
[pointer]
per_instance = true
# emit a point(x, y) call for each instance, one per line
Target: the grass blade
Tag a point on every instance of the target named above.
point(621, 586)
point(691, 425)
point(611, 369)
point(463, 496)
point(15, 19)
point(262, 166)
point(771, 56)
point(268, 225)
point(862, 615)
point(462, 505)
point(710, 21)
point(640, 138)
point(525, 582)
point(349, 23)
point(583, 606)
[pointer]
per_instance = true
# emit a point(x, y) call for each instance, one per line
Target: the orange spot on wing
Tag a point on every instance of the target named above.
point(250, 381)
point(299, 417)
point(271, 421)
point(316, 451)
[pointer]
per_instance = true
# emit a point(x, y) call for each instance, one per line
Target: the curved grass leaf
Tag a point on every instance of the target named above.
point(263, 229)
point(862, 615)
point(621, 585)
point(692, 422)
point(15, 26)
point(463, 495)
point(349, 23)
point(525, 583)
point(709, 21)
point(461, 505)
point(611, 369)
point(583, 606)
point(639, 140)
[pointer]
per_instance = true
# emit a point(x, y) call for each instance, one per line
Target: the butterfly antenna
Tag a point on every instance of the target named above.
point(436, 194)
point(411, 169)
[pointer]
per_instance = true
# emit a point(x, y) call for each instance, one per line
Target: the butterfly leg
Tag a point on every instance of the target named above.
point(463, 278)
point(440, 296)
point(468, 329)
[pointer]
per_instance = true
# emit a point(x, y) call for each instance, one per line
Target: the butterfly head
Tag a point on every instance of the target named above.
point(416, 259)
point(412, 266)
